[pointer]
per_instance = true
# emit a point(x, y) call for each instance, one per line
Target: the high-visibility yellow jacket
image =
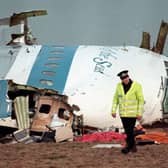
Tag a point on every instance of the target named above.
point(130, 104)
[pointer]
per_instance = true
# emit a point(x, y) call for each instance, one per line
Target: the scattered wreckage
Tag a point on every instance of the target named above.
point(32, 111)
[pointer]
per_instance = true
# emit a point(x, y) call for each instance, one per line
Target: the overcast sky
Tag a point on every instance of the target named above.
point(92, 22)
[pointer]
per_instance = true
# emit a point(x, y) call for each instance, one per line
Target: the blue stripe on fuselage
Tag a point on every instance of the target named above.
point(51, 67)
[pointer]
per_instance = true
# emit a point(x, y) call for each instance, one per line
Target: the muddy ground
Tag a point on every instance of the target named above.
point(79, 155)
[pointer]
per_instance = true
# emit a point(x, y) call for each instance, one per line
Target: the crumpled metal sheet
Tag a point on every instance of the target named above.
point(22, 112)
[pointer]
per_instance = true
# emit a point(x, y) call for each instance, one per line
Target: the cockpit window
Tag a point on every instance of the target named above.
point(45, 108)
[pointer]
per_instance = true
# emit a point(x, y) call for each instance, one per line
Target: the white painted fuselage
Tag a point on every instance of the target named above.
point(88, 76)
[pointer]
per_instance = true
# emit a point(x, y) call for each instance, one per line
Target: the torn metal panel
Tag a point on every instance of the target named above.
point(63, 133)
point(161, 39)
point(22, 112)
point(16, 18)
point(13, 87)
point(107, 146)
point(47, 107)
point(8, 122)
point(21, 135)
point(145, 40)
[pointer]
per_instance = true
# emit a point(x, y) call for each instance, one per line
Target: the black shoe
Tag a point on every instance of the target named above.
point(134, 149)
point(125, 150)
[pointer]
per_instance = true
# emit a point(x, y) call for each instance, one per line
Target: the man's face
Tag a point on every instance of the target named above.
point(125, 80)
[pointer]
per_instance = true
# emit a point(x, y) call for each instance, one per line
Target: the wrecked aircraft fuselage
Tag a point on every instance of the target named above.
point(35, 81)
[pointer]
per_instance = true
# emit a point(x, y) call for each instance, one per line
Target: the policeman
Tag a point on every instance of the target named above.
point(130, 100)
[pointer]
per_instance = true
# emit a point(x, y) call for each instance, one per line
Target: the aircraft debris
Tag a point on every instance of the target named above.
point(39, 111)
point(16, 18)
point(161, 39)
point(107, 146)
point(22, 135)
point(145, 40)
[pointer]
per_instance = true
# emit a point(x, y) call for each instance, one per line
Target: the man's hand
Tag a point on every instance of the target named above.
point(139, 117)
point(114, 115)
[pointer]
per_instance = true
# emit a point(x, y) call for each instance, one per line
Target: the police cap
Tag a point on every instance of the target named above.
point(123, 74)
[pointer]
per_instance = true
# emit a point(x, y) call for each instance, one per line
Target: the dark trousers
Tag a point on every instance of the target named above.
point(129, 124)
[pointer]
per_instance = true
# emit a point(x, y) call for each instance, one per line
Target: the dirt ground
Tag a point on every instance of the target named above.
point(79, 155)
